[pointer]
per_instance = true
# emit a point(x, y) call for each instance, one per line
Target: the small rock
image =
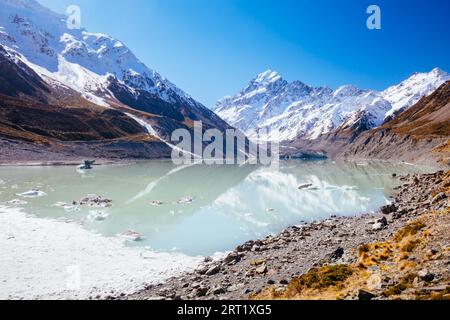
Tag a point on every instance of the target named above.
point(232, 257)
point(380, 224)
point(257, 263)
point(213, 270)
point(270, 282)
point(234, 288)
point(388, 209)
point(365, 295)
point(336, 255)
point(261, 269)
point(202, 270)
point(218, 290)
point(425, 275)
point(195, 285)
point(305, 186)
point(439, 197)
point(200, 292)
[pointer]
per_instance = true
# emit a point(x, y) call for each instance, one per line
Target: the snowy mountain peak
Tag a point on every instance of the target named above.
point(267, 77)
point(83, 60)
point(410, 91)
point(288, 110)
point(347, 90)
point(97, 66)
point(30, 4)
point(439, 72)
point(292, 110)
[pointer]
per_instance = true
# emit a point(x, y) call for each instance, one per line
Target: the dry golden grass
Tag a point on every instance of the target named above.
point(335, 282)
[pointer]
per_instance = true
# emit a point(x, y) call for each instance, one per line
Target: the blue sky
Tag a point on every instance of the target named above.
point(212, 48)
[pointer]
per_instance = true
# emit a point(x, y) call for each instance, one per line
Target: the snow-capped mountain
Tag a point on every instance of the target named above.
point(282, 111)
point(289, 110)
point(97, 66)
point(410, 91)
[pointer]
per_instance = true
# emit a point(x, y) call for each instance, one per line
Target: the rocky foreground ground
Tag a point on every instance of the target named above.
point(402, 252)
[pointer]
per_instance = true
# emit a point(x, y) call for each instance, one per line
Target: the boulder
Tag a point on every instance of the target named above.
point(425, 275)
point(365, 295)
point(380, 224)
point(389, 209)
point(213, 270)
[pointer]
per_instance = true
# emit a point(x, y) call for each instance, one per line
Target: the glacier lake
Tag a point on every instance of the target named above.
point(201, 210)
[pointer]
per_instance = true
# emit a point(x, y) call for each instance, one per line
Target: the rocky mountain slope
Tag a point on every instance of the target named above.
point(420, 135)
point(34, 111)
point(290, 111)
point(422, 130)
point(111, 93)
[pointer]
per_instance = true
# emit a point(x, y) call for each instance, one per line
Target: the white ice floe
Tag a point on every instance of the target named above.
point(67, 207)
point(156, 203)
point(131, 235)
point(34, 193)
point(16, 202)
point(49, 259)
point(98, 215)
point(185, 200)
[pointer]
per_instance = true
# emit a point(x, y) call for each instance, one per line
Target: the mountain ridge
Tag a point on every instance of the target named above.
point(90, 74)
point(416, 135)
point(294, 110)
point(93, 64)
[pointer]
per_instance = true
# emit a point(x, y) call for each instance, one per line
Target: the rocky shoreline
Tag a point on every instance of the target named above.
point(274, 261)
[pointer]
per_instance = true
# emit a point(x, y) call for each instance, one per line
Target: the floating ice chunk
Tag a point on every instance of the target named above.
point(93, 200)
point(2, 182)
point(305, 186)
point(98, 215)
point(131, 235)
point(33, 193)
point(350, 187)
point(156, 203)
point(270, 210)
point(185, 200)
point(16, 202)
point(67, 207)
